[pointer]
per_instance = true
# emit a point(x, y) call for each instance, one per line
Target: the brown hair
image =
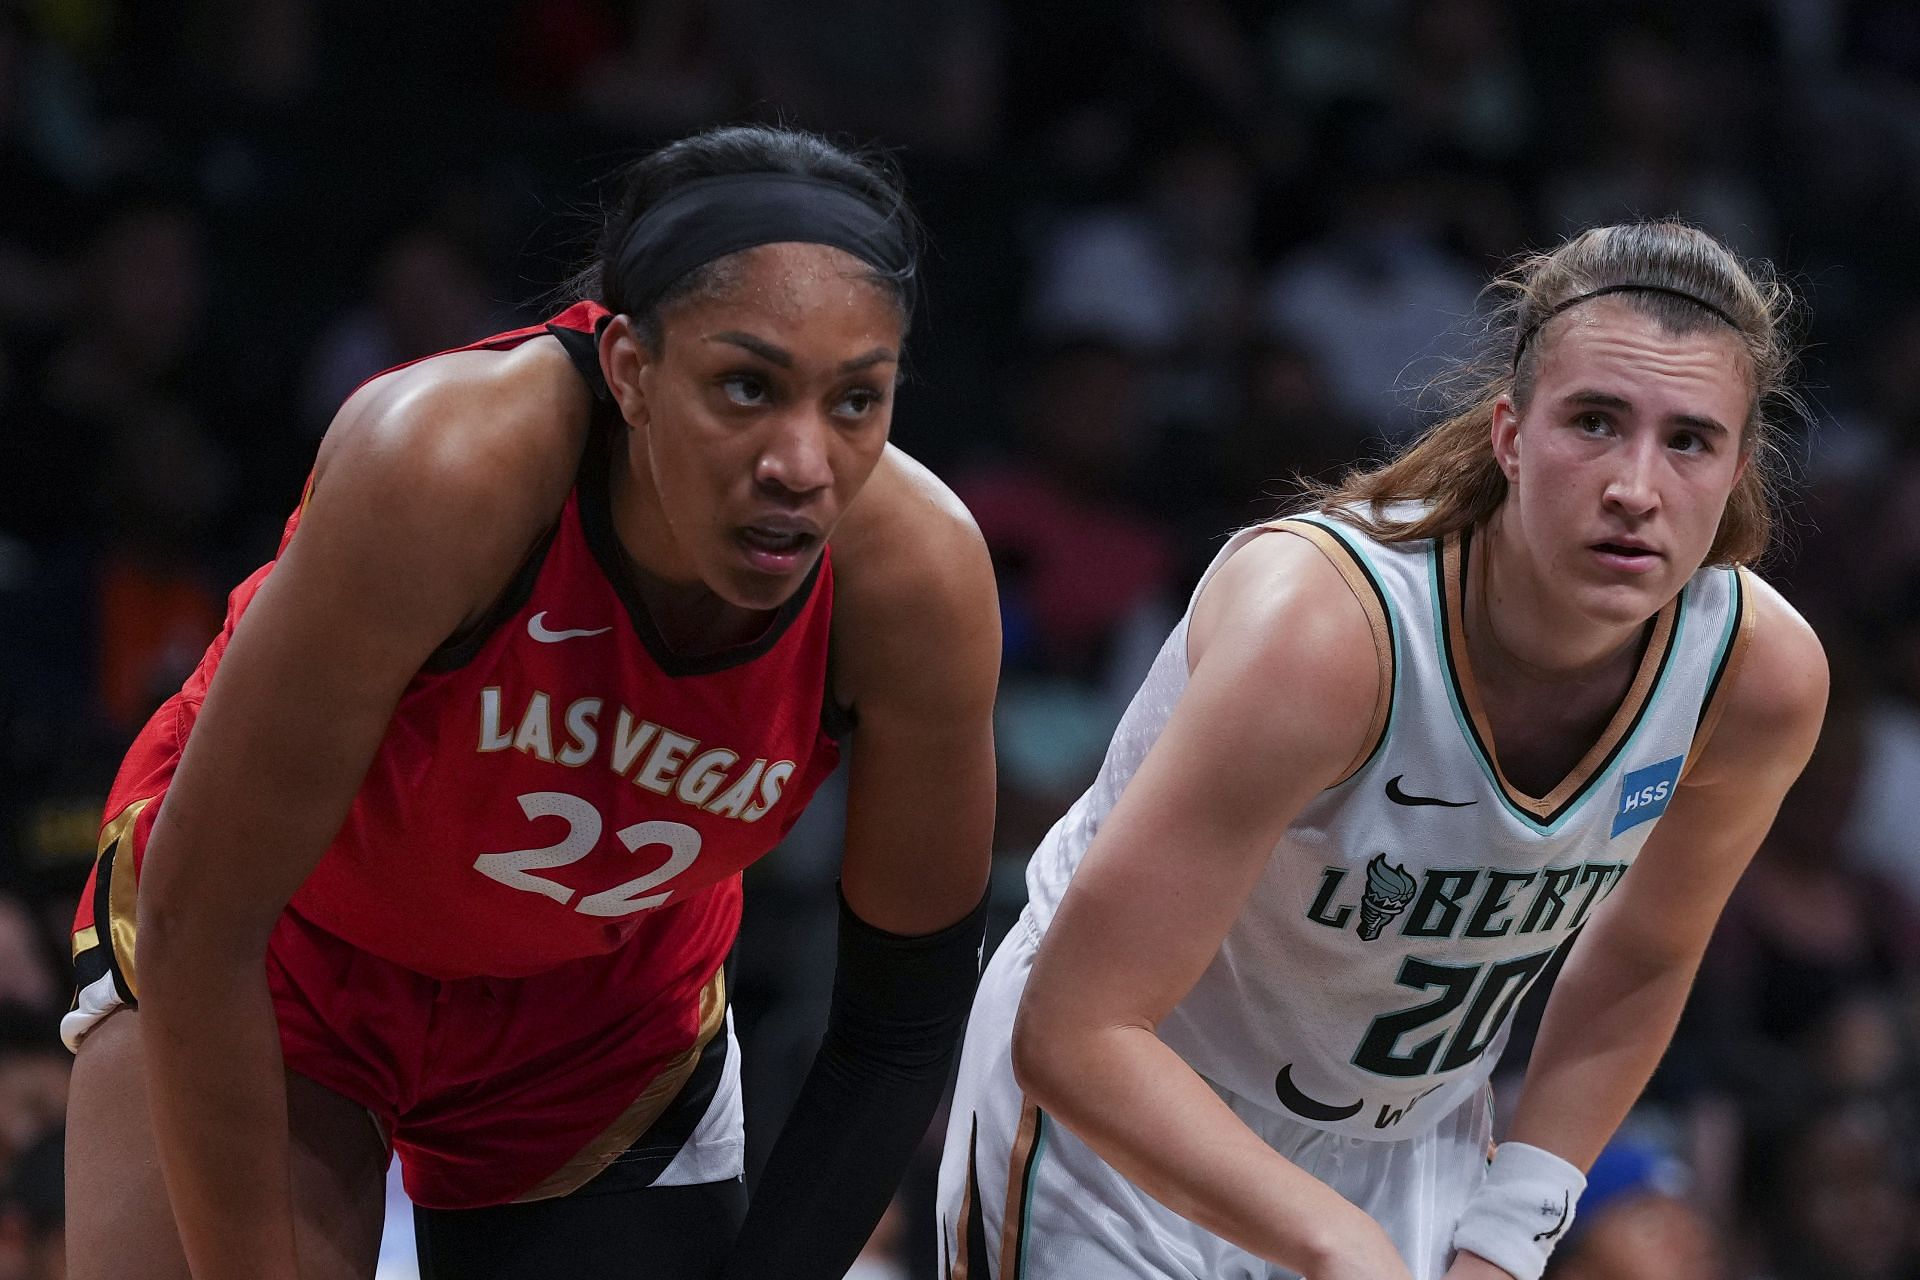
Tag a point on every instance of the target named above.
point(1451, 466)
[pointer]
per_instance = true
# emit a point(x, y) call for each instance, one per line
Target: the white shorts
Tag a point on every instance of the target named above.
point(1021, 1198)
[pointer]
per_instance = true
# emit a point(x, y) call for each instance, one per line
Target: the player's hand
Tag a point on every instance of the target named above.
point(1363, 1253)
point(1471, 1266)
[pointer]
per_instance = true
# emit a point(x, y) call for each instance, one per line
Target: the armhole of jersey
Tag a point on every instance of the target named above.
point(1733, 651)
point(1366, 589)
point(836, 721)
point(460, 648)
point(583, 348)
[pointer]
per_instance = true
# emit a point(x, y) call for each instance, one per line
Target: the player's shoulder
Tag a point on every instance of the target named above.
point(1285, 596)
point(1783, 674)
point(497, 431)
point(912, 578)
point(909, 538)
point(1277, 622)
point(448, 471)
point(1777, 686)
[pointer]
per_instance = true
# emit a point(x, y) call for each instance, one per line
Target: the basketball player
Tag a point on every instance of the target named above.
point(1401, 750)
point(439, 851)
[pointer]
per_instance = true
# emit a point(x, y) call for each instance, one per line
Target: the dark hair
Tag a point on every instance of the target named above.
point(1451, 466)
point(740, 149)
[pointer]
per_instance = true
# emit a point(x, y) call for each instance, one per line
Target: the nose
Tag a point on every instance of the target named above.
point(794, 461)
point(1633, 488)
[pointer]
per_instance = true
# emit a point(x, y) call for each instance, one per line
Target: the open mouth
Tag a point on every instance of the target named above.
point(776, 541)
point(1626, 557)
point(776, 550)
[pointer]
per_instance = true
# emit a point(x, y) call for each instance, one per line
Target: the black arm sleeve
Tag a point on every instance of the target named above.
point(899, 1006)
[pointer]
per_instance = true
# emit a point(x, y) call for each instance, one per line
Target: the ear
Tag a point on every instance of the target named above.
point(1506, 437)
point(625, 361)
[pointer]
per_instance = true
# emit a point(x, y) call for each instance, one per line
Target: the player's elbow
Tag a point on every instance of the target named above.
point(182, 939)
point(1052, 1059)
point(1034, 1059)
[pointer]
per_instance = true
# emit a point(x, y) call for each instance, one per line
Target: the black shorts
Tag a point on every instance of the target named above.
point(612, 1227)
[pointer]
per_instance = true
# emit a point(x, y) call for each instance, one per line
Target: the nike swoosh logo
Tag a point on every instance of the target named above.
point(536, 627)
point(1312, 1108)
point(1395, 794)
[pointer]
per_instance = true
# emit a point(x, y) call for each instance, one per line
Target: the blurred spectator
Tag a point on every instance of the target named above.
point(157, 608)
point(26, 978)
point(33, 1240)
point(1635, 1223)
point(1649, 1237)
point(1463, 91)
point(1170, 272)
point(1380, 300)
point(1080, 565)
point(1063, 521)
point(35, 1209)
point(1805, 934)
point(1837, 1204)
point(1660, 145)
point(33, 1078)
point(39, 206)
point(1887, 816)
point(921, 73)
point(1335, 52)
point(669, 71)
point(1216, 477)
point(125, 358)
point(427, 294)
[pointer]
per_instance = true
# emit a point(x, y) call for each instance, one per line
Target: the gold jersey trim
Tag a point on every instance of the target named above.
point(1454, 558)
point(1020, 1169)
point(116, 861)
point(611, 1142)
point(1373, 599)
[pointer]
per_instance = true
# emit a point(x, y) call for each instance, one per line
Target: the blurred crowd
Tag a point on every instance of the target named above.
point(1186, 251)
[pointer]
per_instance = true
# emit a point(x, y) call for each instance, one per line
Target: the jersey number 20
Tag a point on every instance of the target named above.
point(515, 869)
point(1493, 997)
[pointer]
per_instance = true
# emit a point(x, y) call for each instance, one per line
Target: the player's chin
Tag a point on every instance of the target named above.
point(754, 580)
point(1622, 603)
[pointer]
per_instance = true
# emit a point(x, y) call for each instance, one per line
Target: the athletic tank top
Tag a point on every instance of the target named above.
point(557, 782)
point(1367, 986)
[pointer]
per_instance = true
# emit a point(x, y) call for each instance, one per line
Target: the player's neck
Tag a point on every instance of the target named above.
point(686, 613)
point(1518, 633)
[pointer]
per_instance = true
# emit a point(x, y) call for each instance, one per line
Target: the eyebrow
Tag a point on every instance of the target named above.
point(784, 359)
point(1607, 400)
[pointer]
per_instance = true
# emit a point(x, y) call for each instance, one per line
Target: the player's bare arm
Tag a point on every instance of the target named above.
point(421, 510)
point(916, 644)
point(916, 660)
point(1615, 1006)
point(1284, 679)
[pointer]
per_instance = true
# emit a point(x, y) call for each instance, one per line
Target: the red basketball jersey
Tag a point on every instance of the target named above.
point(559, 781)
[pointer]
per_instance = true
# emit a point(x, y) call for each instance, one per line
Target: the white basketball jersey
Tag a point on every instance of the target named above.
point(1367, 986)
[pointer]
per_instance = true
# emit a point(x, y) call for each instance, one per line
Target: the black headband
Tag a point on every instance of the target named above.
point(709, 218)
point(1526, 334)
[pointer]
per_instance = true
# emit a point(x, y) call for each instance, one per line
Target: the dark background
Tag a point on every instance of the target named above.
point(1183, 250)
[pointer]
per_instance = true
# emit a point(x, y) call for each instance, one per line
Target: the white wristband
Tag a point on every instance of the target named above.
point(1522, 1209)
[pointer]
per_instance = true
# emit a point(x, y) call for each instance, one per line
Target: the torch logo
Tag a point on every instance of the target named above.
point(1389, 890)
